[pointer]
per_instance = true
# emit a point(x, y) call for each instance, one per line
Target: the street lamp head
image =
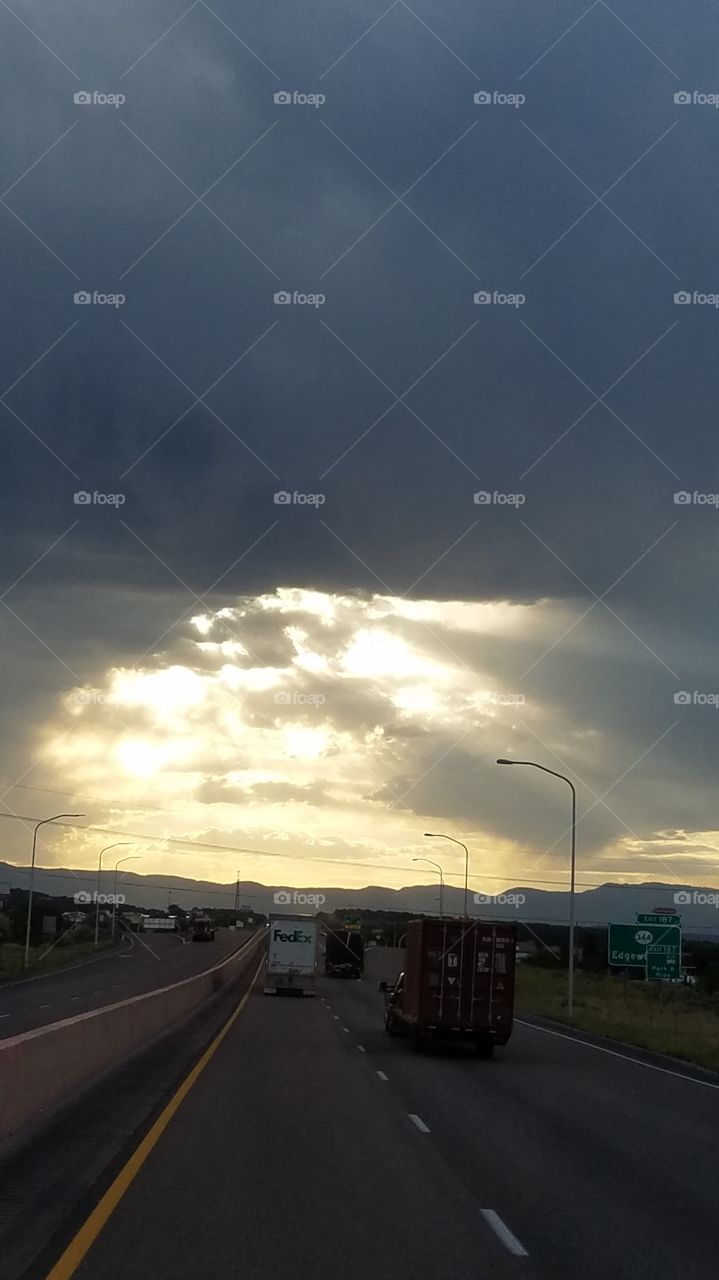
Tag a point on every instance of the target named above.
point(55, 817)
point(432, 835)
point(505, 762)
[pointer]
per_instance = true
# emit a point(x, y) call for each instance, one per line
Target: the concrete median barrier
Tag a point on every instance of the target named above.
point(41, 1068)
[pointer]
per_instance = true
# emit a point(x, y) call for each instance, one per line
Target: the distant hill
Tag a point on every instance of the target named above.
point(607, 902)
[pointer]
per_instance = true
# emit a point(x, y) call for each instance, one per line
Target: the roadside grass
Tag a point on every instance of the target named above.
point(12, 955)
point(659, 1016)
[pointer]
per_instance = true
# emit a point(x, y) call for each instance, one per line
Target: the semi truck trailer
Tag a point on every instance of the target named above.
point(457, 984)
point(291, 956)
point(344, 953)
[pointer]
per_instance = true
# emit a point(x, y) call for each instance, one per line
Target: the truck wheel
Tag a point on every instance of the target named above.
point(485, 1048)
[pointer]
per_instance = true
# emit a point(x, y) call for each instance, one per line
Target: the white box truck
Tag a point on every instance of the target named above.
point(291, 956)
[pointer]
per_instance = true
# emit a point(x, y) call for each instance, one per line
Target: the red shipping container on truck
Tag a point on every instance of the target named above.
point(458, 982)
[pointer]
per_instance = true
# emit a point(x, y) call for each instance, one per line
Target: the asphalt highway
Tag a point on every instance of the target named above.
point(602, 1163)
point(289, 1158)
point(141, 963)
point(305, 1142)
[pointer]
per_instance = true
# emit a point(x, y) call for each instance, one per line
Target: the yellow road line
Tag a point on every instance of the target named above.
point(67, 1265)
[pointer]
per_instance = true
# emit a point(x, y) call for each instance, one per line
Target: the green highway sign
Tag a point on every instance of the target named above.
point(659, 918)
point(629, 943)
point(664, 967)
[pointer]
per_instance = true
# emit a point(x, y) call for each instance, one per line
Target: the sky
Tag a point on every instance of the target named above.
point(358, 394)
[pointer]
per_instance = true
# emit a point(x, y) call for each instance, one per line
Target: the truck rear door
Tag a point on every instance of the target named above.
point(492, 992)
point(467, 975)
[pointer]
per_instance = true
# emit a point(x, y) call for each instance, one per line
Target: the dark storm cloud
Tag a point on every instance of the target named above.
point(288, 415)
point(397, 398)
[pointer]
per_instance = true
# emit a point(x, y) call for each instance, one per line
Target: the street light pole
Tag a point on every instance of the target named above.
point(441, 881)
point(131, 857)
point(572, 914)
point(440, 835)
point(116, 845)
point(41, 823)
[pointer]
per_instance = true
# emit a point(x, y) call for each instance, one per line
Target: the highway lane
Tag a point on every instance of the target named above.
point(289, 1157)
point(142, 963)
point(603, 1166)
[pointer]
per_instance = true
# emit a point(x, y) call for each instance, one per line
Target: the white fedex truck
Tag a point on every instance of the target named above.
point(291, 956)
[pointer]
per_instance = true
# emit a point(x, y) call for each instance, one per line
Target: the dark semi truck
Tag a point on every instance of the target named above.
point(344, 953)
point(457, 984)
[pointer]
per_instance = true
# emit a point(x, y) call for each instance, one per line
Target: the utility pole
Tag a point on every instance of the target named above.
point(440, 835)
point(38, 825)
point(572, 866)
point(133, 857)
point(116, 845)
point(432, 863)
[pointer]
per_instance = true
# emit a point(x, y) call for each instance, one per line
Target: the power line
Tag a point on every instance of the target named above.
point(521, 882)
point(79, 795)
point(266, 853)
point(206, 892)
